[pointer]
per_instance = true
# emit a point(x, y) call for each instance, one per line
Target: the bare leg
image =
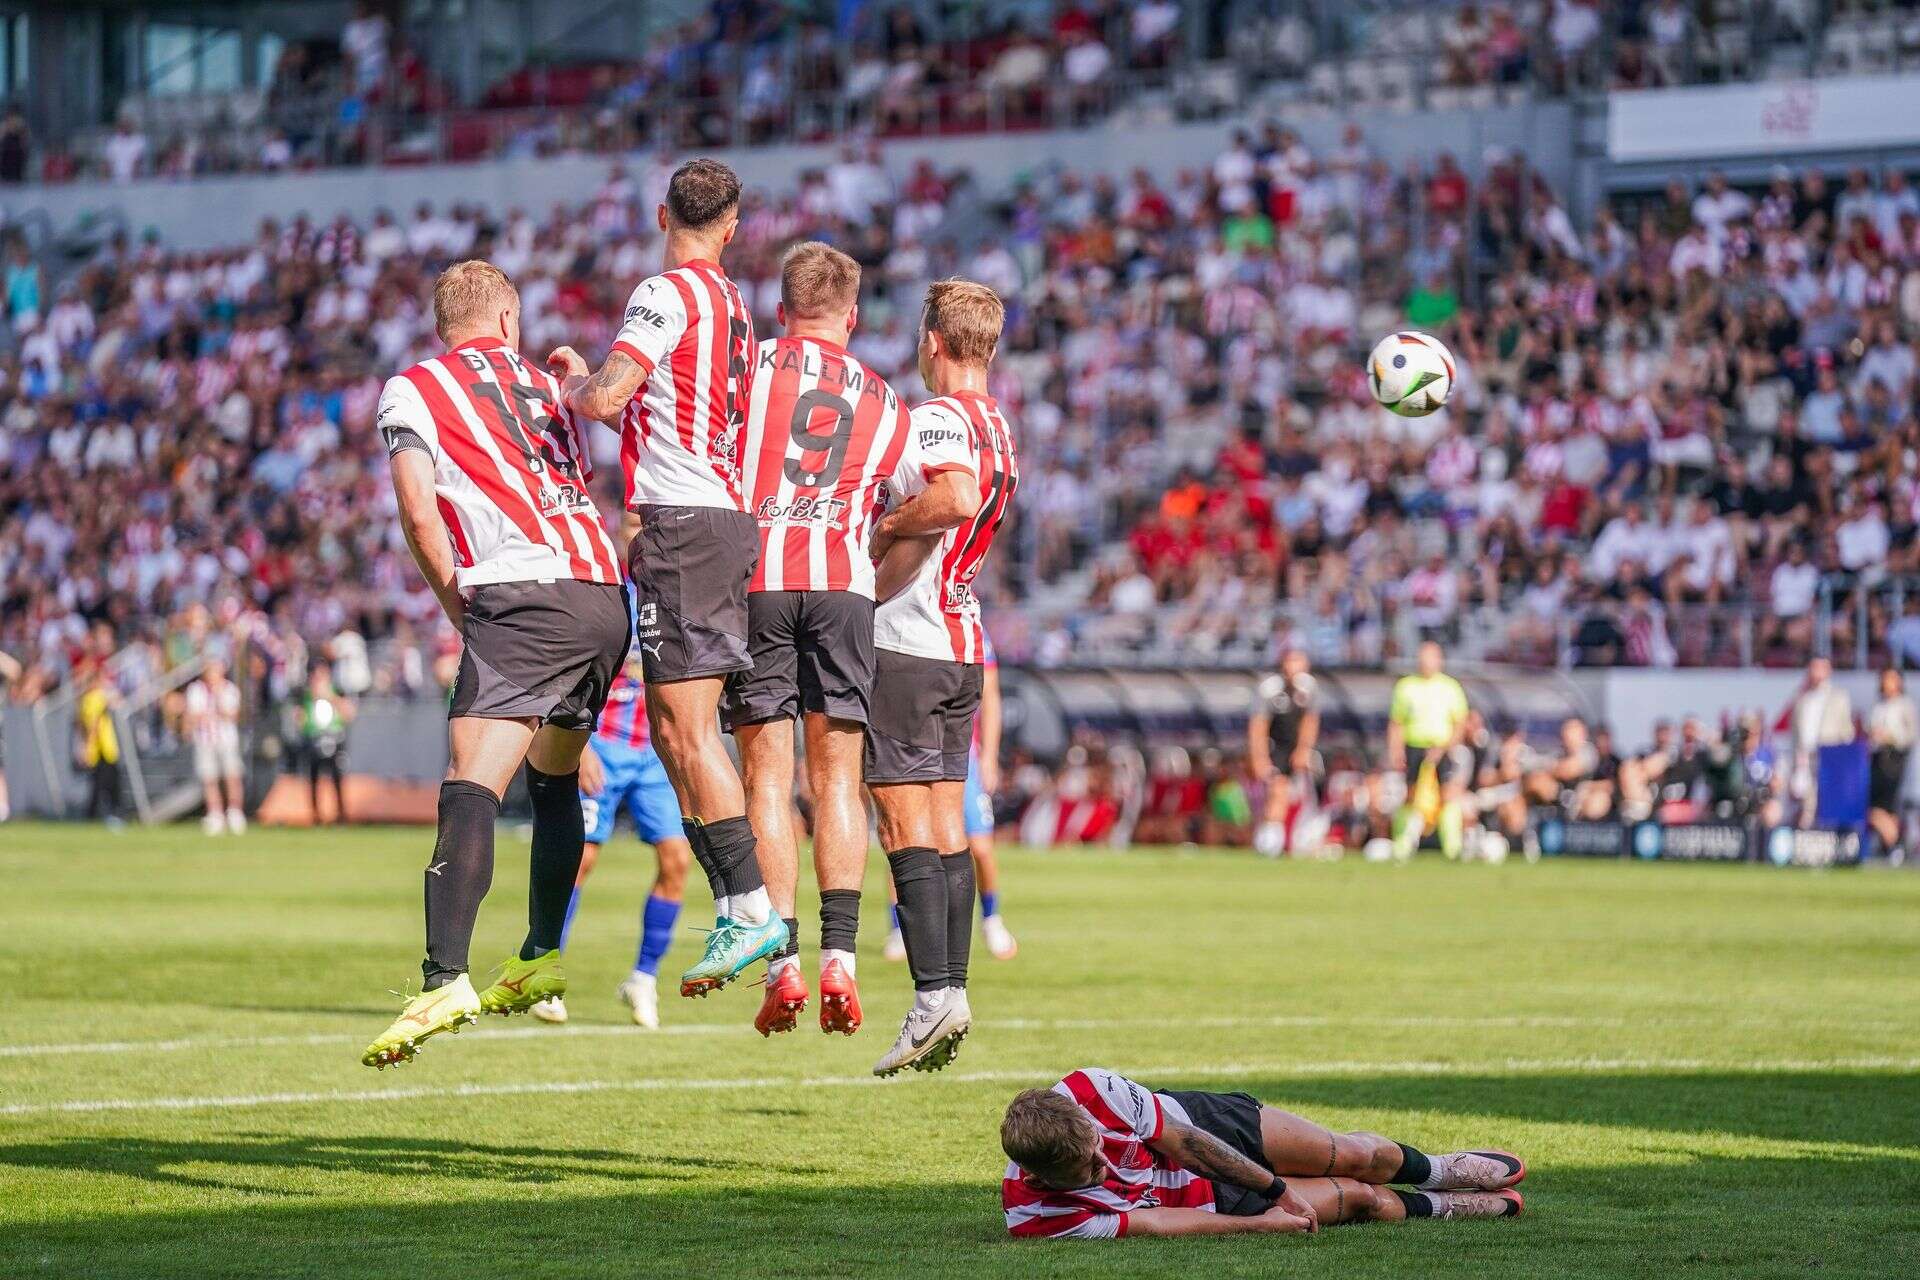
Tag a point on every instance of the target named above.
point(986, 867)
point(1295, 1145)
point(487, 752)
point(839, 818)
point(1338, 1200)
point(673, 855)
point(686, 724)
point(906, 815)
point(766, 752)
point(949, 816)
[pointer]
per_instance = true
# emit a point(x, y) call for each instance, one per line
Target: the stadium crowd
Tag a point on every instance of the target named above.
point(1705, 400)
point(749, 71)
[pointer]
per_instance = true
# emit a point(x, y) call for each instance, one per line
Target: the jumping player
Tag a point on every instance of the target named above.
point(1098, 1156)
point(823, 434)
point(953, 487)
point(983, 783)
point(620, 770)
point(490, 471)
point(1281, 734)
point(677, 377)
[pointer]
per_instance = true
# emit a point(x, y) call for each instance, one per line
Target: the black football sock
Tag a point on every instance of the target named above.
point(1418, 1204)
point(458, 877)
point(922, 887)
point(697, 837)
point(559, 834)
point(730, 841)
point(958, 868)
point(1414, 1168)
point(792, 950)
point(839, 919)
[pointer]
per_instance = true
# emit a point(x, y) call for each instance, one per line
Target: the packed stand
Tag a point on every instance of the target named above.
point(1687, 436)
point(746, 72)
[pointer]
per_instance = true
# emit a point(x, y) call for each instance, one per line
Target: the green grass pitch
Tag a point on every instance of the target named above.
point(1710, 1069)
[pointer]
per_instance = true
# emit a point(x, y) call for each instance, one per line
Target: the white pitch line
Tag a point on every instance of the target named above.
point(1165, 1072)
point(740, 1029)
point(189, 1043)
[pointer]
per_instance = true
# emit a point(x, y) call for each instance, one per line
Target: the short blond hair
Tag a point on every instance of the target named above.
point(967, 316)
point(469, 293)
point(1045, 1132)
point(817, 280)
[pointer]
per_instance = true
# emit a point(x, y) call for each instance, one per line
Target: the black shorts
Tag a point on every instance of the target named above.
point(811, 650)
point(540, 650)
point(921, 729)
point(1886, 777)
point(1447, 765)
point(690, 569)
point(1234, 1118)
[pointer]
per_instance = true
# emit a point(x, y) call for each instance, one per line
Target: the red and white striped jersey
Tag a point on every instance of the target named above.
point(1128, 1116)
point(690, 331)
point(937, 616)
point(824, 434)
point(510, 465)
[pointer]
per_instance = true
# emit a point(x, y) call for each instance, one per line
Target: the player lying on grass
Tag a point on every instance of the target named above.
point(1098, 1156)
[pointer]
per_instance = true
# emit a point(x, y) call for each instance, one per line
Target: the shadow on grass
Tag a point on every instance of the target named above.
point(1598, 1206)
point(244, 1157)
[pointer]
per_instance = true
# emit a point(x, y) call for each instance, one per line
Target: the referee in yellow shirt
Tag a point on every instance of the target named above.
point(1425, 722)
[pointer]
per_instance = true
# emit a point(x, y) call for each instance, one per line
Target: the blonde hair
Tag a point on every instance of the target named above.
point(817, 280)
point(967, 316)
point(469, 293)
point(1046, 1133)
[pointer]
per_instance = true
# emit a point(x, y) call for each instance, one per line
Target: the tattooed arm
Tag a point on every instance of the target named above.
point(603, 394)
point(1202, 1153)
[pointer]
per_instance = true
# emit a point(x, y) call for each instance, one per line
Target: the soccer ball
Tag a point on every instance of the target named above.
point(1410, 373)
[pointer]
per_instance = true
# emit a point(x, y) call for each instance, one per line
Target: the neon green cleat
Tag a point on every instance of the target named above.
point(426, 1015)
point(731, 947)
point(524, 983)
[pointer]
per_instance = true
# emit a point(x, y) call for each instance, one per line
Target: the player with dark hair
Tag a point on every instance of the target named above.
point(677, 378)
point(1282, 731)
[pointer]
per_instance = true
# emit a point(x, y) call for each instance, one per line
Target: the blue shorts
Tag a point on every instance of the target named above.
point(636, 782)
point(976, 804)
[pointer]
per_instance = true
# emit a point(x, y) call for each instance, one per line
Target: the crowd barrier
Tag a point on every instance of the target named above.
point(1718, 841)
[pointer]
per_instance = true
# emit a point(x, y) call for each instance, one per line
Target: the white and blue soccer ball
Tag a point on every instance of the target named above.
point(1410, 373)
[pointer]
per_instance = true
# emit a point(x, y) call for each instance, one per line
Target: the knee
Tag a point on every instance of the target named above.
point(1368, 1156)
point(1369, 1203)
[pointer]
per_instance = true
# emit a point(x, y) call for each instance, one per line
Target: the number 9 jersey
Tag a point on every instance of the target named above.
point(824, 433)
point(510, 466)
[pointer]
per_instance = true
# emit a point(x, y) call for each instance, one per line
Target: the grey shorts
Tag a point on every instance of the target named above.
point(546, 651)
point(811, 650)
point(690, 569)
point(921, 728)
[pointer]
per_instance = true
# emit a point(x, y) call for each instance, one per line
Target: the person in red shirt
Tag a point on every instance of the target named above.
point(1099, 1156)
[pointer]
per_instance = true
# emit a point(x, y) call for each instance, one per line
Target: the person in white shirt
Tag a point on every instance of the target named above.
point(1822, 716)
point(1892, 726)
point(212, 723)
point(126, 152)
point(1627, 537)
point(1719, 206)
point(1704, 561)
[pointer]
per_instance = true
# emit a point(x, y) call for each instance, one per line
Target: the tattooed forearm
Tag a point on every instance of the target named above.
point(605, 392)
point(1209, 1157)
